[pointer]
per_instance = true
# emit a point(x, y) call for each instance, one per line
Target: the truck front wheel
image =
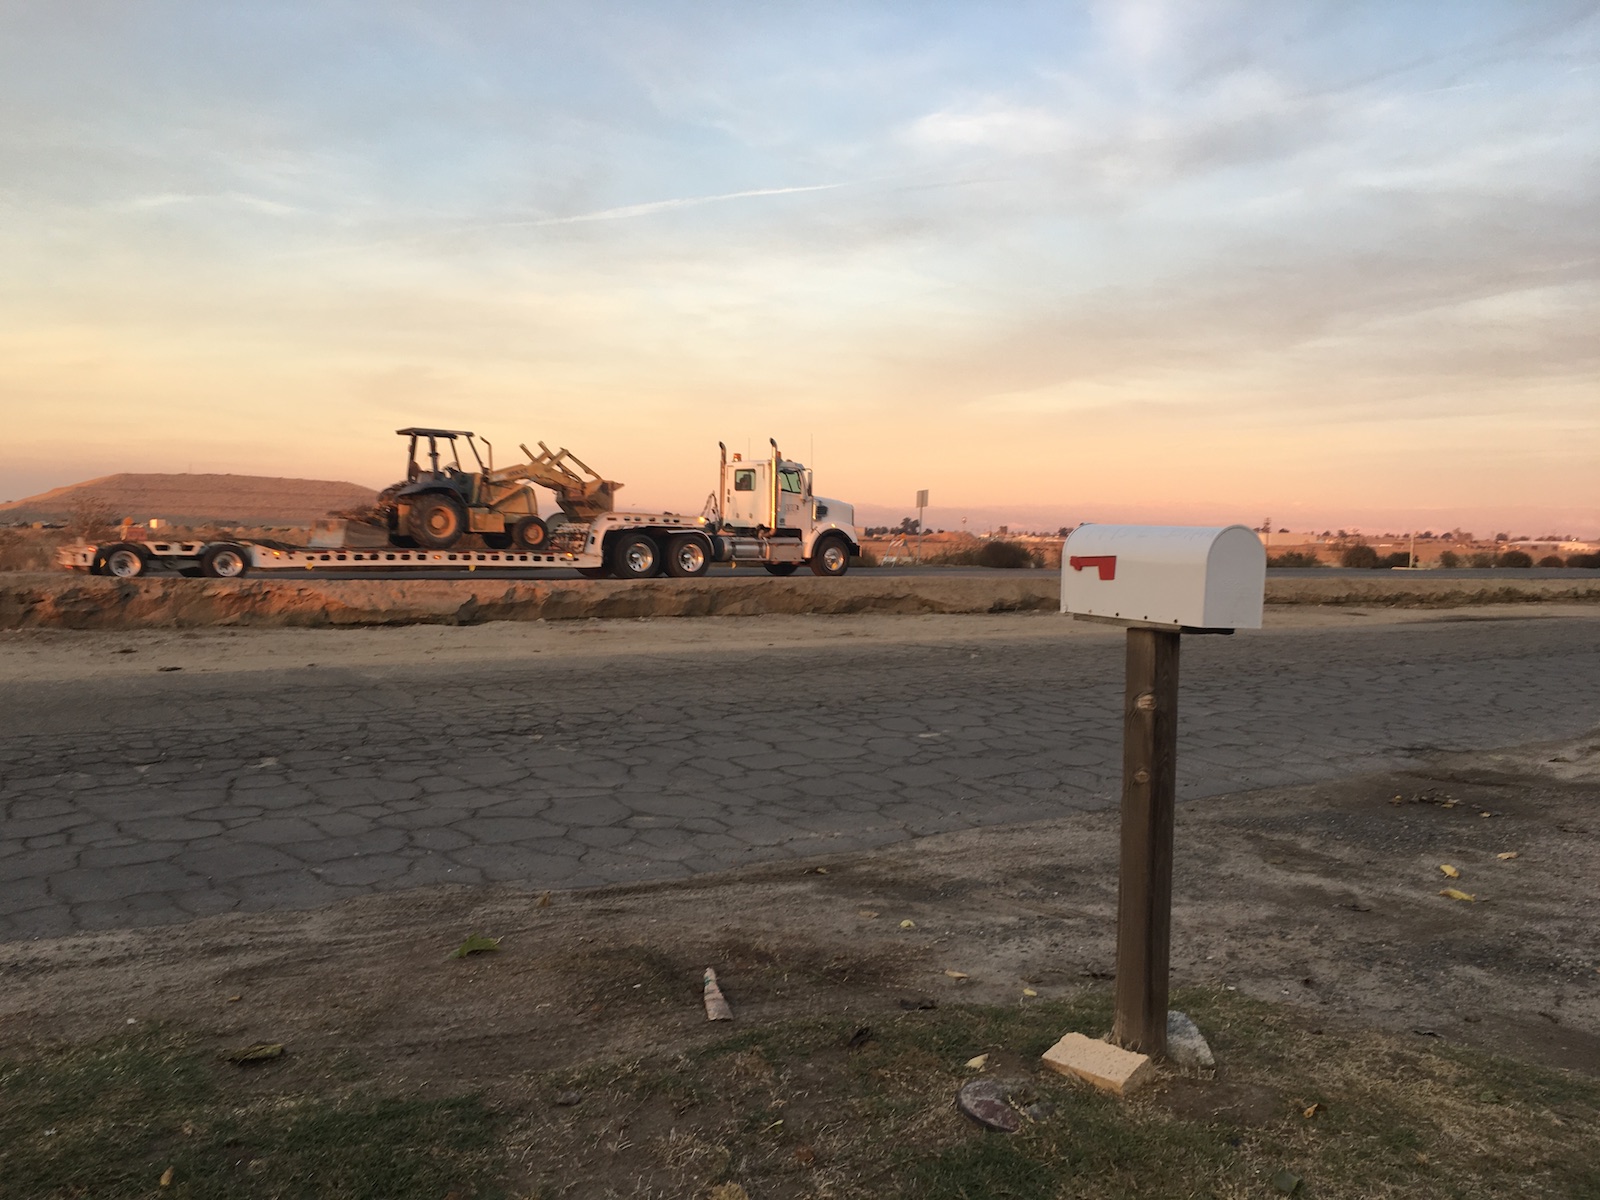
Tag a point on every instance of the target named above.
point(687, 557)
point(830, 556)
point(635, 556)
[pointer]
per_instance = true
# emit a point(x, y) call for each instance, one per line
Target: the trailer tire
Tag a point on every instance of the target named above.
point(688, 557)
point(123, 560)
point(437, 521)
point(830, 556)
point(530, 533)
point(224, 561)
point(782, 568)
point(635, 556)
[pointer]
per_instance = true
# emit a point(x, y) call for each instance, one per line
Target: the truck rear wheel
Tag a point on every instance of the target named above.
point(224, 561)
point(437, 521)
point(687, 557)
point(830, 556)
point(124, 560)
point(635, 556)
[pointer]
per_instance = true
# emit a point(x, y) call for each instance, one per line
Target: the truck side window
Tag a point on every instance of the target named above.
point(789, 481)
point(744, 481)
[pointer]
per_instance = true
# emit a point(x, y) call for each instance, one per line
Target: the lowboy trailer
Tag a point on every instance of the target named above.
point(764, 513)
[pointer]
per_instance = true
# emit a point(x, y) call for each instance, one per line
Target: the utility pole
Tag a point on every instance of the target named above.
point(922, 504)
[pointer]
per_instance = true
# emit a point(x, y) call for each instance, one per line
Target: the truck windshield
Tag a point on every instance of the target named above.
point(789, 481)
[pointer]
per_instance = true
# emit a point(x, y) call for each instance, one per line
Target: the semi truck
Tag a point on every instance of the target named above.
point(765, 512)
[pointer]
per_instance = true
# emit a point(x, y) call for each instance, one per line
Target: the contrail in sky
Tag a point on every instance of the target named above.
point(655, 206)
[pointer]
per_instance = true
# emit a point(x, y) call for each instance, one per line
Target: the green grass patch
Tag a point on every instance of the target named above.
point(109, 1119)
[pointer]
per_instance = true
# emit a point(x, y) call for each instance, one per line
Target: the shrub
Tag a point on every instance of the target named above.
point(1294, 558)
point(1515, 558)
point(1551, 560)
point(1398, 559)
point(1584, 560)
point(1004, 554)
point(1449, 559)
point(1481, 559)
point(1359, 556)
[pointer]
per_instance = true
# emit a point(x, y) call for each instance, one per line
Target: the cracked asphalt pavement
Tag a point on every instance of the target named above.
point(164, 796)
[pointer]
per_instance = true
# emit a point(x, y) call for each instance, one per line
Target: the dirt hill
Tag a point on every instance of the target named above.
point(192, 499)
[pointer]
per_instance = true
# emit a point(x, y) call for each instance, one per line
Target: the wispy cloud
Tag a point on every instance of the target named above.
point(650, 208)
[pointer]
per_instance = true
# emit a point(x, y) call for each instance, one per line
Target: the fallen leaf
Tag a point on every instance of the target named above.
point(1450, 871)
point(260, 1052)
point(957, 974)
point(166, 1177)
point(1507, 855)
point(978, 1063)
point(1029, 992)
point(1456, 894)
point(234, 999)
point(476, 943)
point(866, 914)
point(544, 900)
point(805, 1155)
point(1310, 1111)
point(908, 923)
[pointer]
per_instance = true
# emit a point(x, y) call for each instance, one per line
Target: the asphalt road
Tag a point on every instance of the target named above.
point(167, 796)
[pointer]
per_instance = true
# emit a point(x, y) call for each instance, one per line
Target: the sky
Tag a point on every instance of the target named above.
point(1336, 264)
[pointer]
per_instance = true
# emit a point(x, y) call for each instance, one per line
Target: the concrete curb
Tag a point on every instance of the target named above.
point(70, 601)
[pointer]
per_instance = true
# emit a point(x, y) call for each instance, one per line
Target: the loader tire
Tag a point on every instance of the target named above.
point(497, 541)
point(530, 533)
point(437, 521)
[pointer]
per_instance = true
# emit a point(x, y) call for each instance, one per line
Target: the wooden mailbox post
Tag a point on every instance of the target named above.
point(1160, 582)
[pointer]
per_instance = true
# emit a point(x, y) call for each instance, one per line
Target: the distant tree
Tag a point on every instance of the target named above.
point(1064, 531)
point(1480, 559)
point(1449, 558)
point(1551, 560)
point(1294, 558)
point(1582, 560)
point(1398, 559)
point(908, 525)
point(1502, 537)
point(1359, 556)
point(1284, 530)
point(1515, 558)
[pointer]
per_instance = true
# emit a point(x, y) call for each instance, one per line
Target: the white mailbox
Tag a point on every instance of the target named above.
point(1172, 576)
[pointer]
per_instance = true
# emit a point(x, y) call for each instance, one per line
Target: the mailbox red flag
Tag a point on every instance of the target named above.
point(1107, 564)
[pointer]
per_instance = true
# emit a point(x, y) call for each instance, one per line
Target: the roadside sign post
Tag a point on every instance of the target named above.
point(922, 504)
point(1159, 582)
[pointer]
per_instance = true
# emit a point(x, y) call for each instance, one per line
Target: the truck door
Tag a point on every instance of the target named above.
point(791, 497)
point(745, 504)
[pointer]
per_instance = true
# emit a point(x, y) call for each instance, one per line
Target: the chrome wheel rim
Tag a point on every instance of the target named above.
point(124, 564)
point(834, 557)
point(639, 558)
point(691, 556)
point(228, 564)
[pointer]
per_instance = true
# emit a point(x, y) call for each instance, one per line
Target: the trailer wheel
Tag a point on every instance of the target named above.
point(635, 556)
point(782, 568)
point(124, 560)
point(437, 521)
point(224, 561)
point(530, 533)
point(830, 556)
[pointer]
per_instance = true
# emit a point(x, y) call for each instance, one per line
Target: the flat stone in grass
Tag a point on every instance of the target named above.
point(1108, 1067)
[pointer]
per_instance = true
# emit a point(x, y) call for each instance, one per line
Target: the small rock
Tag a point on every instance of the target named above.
point(1186, 1045)
point(569, 1099)
point(1040, 1110)
point(988, 1102)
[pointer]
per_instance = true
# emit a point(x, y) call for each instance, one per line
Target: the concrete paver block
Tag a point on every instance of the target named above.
point(1108, 1067)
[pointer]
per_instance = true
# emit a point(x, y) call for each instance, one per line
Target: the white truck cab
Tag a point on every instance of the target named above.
point(767, 512)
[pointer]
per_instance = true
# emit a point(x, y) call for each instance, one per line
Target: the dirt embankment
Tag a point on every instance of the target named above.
point(89, 602)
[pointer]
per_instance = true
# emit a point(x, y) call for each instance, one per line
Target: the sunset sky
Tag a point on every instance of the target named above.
point(1333, 263)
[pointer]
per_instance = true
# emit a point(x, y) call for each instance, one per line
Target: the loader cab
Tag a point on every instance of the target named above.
point(444, 467)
